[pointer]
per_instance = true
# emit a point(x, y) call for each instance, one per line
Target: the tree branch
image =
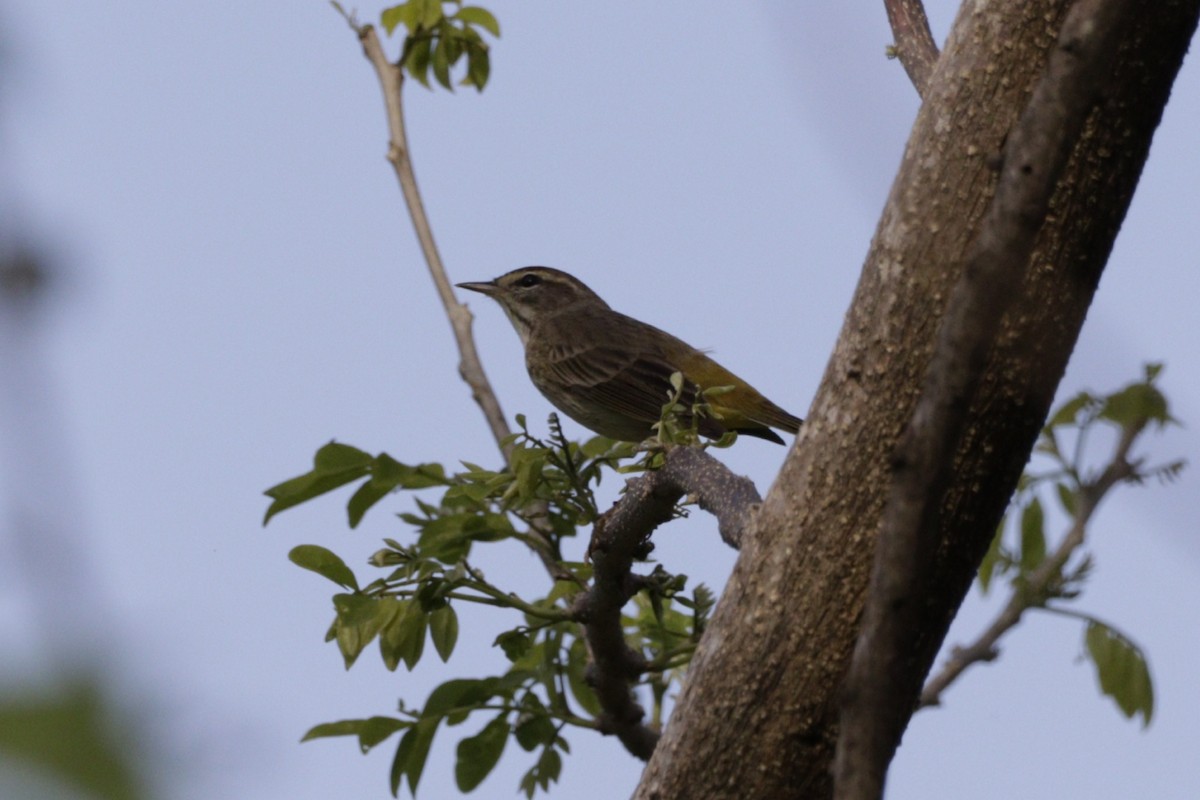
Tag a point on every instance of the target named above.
point(622, 534)
point(876, 705)
point(914, 44)
point(391, 81)
point(470, 367)
point(1040, 584)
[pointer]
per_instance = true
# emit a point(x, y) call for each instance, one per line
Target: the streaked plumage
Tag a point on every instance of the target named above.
point(610, 372)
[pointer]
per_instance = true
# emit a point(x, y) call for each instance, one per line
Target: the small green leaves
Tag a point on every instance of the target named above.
point(1121, 670)
point(1048, 578)
point(1138, 403)
point(426, 575)
point(336, 464)
point(388, 475)
point(545, 772)
point(1133, 406)
point(438, 41)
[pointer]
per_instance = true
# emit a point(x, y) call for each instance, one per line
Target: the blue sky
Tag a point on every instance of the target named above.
point(240, 285)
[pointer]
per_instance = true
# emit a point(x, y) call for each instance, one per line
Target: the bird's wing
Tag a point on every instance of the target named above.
point(629, 382)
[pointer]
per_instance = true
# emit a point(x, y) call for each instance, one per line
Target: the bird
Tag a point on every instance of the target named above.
point(612, 373)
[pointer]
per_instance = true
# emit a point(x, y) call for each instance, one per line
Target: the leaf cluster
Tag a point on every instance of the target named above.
point(1049, 579)
point(686, 406)
point(440, 34)
point(429, 575)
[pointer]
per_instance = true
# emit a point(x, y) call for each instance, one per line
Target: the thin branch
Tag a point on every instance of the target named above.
point(621, 535)
point(470, 367)
point(877, 700)
point(391, 81)
point(1040, 584)
point(914, 44)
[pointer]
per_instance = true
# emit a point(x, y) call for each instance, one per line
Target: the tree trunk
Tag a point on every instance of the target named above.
point(758, 717)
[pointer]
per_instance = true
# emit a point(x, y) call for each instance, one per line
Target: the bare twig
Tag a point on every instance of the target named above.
point(914, 41)
point(1040, 583)
point(391, 80)
point(620, 536)
point(878, 701)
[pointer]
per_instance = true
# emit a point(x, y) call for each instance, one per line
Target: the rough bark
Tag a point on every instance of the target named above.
point(876, 707)
point(759, 715)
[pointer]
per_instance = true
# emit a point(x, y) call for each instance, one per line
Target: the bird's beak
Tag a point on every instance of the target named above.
point(483, 287)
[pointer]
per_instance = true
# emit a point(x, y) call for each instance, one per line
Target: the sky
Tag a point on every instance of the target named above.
point(236, 283)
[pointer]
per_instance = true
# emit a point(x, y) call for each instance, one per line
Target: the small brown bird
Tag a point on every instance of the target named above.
point(612, 373)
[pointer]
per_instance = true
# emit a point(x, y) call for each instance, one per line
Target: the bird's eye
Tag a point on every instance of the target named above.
point(528, 280)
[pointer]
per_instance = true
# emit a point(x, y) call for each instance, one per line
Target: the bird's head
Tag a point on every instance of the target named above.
point(530, 294)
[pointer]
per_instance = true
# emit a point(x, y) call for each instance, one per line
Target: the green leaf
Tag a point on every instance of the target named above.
point(1067, 413)
point(367, 495)
point(544, 772)
point(443, 629)
point(1033, 536)
point(345, 727)
point(455, 39)
point(455, 694)
point(1066, 496)
point(421, 476)
point(1121, 670)
point(431, 12)
point(323, 562)
point(387, 475)
point(333, 466)
point(403, 14)
point(448, 538)
point(336, 457)
point(479, 66)
point(474, 15)
point(1136, 404)
point(370, 732)
point(416, 61)
point(359, 618)
point(403, 638)
point(441, 62)
point(478, 754)
point(411, 754)
point(515, 644)
point(377, 729)
point(987, 567)
point(577, 662)
point(534, 729)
